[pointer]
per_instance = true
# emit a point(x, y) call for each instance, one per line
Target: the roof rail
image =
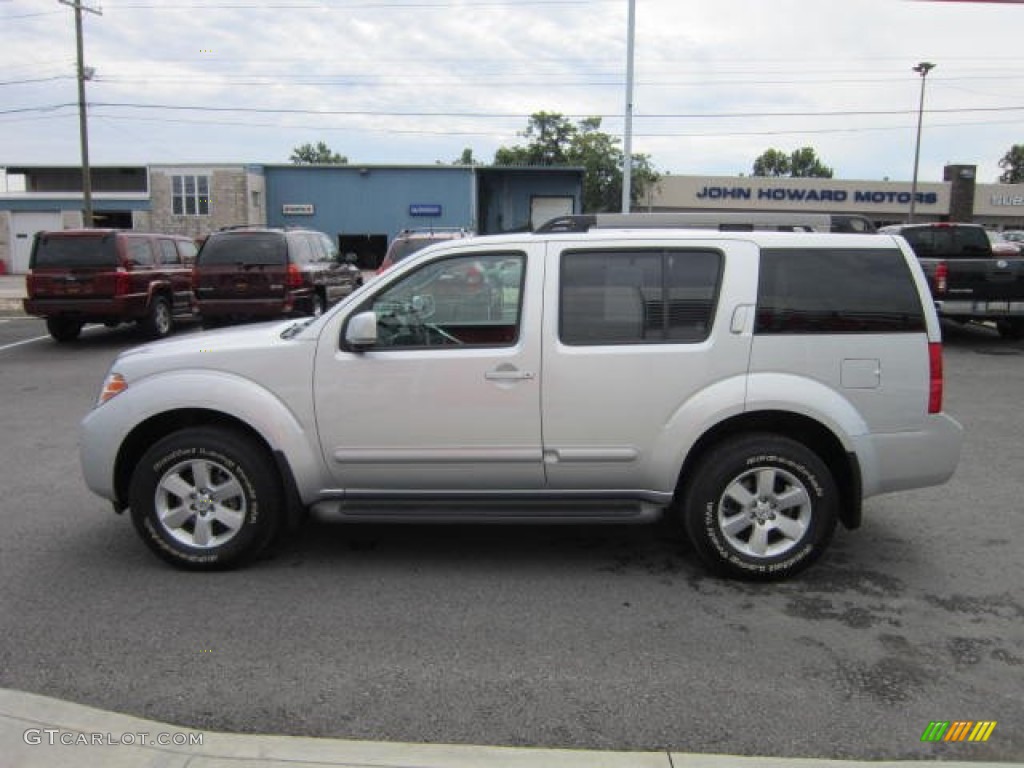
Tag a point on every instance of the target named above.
point(728, 221)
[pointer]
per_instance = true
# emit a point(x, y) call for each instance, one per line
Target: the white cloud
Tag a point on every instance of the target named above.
point(488, 64)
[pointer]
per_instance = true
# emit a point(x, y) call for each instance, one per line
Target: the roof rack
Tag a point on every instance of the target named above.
point(729, 221)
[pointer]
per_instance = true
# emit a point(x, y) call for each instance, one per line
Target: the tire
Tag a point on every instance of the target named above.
point(159, 321)
point(760, 507)
point(63, 329)
point(206, 498)
point(1012, 329)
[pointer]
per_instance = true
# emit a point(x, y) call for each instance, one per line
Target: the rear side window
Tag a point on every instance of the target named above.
point(826, 290)
point(140, 251)
point(301, 248)
point(638, 296)
point(948, 242)
point(258, 248)
point(63, 251)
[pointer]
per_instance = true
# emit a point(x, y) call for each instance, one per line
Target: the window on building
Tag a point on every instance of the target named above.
point(190, 195)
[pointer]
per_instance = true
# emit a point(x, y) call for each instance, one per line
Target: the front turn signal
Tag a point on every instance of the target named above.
point(113, 385)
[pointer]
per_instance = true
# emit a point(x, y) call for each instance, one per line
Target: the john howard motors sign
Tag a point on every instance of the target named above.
point(866, 196)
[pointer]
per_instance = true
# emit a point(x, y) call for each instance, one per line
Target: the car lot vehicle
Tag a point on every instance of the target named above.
point(253, 272)
point(757, 386)
point(725, 221)
point(968, 280)
point(1002, 245)
point(409, 241)
point(109, 276)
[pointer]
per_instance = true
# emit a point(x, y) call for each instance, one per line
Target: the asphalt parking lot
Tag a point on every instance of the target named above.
point(590, 637)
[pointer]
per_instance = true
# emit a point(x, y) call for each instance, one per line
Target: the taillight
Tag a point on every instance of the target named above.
point(293, 278)
point(941, 277)
point(122, 283)
point(934, 377)
point(30, 285)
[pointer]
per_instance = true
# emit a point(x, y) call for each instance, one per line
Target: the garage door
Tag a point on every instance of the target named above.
point(24, 225)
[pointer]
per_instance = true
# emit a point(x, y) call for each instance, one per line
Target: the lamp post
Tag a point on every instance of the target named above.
point(922, 69)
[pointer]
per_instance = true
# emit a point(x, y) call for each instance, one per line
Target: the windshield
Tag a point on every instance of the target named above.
point(58, 250)
point(245, 248)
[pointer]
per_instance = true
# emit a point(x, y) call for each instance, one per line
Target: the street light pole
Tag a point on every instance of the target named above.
point(83, 122)
point(627, 140)
point(922, 69)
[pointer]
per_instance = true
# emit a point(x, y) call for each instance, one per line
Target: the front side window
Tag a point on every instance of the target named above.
point(168, 253)
point(831, 290)
point(471, 300)
point(638, 296)
point(190, 195)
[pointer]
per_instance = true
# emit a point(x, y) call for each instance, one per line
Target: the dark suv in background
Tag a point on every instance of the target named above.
point(109, 276)
point(255, 272)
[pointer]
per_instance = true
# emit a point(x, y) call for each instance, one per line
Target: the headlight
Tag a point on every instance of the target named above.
point(113, 385)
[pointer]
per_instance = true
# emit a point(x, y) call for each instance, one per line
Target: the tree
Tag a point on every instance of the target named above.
point(555, 140)
point(321, 154)
point(1013, 165)
point(801, 163)
point(772, 162)
point(466, 158)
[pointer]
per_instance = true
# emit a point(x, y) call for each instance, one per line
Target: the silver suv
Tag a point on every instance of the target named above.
point(757, 386)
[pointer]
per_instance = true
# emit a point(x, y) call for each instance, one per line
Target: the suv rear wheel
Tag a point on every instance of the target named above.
point(206, 498)
point(760, 507)
point(63, 329)
point(159, 321)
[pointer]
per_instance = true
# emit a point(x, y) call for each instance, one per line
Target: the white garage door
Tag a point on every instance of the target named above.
point(24, 225)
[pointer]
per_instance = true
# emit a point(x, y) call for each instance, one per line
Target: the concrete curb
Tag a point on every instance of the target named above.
point(41, 732)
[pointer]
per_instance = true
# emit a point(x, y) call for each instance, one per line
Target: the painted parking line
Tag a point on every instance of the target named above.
point(23, 342)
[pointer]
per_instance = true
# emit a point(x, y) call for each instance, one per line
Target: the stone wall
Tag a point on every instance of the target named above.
point(229, 201)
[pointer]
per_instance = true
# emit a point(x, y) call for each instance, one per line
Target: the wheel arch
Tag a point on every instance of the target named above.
point(816, 436)
point(153, 429)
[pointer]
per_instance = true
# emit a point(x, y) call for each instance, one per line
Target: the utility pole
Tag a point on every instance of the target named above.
point(83, 121)
point(627, 140)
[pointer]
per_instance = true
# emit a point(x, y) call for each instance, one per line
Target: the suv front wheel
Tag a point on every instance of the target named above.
point(760, 507)
point(206, 498)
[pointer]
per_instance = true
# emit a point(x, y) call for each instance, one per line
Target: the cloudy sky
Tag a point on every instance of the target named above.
point(417, 81)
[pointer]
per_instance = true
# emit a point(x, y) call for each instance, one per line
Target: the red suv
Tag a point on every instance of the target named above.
point(109, 276)
point(255, 272)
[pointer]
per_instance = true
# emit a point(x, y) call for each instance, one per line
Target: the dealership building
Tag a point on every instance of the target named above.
point(364, 206)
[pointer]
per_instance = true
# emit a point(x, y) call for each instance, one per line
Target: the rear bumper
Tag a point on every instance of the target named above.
point(992, 308)
point(123, 308)
point(245, 307)
point(903, 460)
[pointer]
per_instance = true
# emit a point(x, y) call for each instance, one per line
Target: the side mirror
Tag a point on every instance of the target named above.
point(361, 331)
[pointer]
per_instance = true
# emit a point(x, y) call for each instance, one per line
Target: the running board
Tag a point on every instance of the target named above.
point(483, 510)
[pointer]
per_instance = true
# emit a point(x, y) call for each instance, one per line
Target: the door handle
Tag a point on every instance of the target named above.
point(509, 374)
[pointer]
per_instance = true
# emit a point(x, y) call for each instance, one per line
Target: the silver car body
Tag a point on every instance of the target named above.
point(536, 428)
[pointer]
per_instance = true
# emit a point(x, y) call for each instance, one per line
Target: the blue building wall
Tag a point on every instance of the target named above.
point(372, 199)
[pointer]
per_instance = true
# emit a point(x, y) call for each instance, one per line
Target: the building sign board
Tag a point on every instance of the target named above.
point(425, 209)
point(298, 209)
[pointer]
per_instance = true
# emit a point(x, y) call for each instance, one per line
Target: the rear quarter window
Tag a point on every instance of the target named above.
point(66, 251)
point(827, 290)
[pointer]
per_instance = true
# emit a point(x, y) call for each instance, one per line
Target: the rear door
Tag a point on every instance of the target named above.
point(242, 266)
point(74, 266)
point(638, 330)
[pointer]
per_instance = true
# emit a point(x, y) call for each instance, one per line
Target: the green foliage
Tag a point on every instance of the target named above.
point(555, 140)
point(321, 154)
point(801, 163)
point(466, 158)
point(1013, 165)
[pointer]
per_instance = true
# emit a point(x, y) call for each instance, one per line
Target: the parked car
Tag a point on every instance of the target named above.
point(1001, 245)
point(409, 241)
point(968, 279)
point(255, 272)
point(755, 386)
point(109, 276)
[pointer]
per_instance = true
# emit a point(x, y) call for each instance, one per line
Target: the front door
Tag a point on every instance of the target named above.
point(448, 399)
